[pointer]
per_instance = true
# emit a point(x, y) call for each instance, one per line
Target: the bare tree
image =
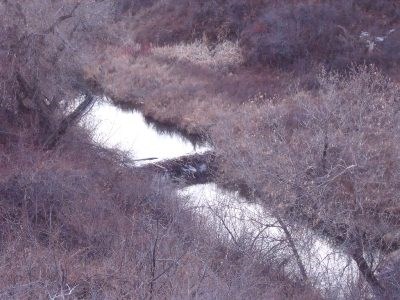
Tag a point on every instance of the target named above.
point(42, 65)
point(327, 160)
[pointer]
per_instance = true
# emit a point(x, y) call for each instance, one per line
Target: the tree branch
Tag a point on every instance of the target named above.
point(293, 247)
point(70, 119)
point(61, 19)
point(357, 254)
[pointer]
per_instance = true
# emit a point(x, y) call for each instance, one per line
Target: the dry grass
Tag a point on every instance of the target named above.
point(82, 223)
point(266, 162)
point(84, 226)
point(224, 56)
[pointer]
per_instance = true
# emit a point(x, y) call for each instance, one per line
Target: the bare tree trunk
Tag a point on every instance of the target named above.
point(324, 153)
point(33, 94)
point(70, 119)
point(292, 245)
point(153, 264)
point(366, 271)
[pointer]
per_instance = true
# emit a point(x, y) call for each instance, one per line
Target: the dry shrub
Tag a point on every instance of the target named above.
point(225, 55)
point(330, 159)
point(389, 8)
point(302, 33)
point(389, 55)
point(349, 130)
point(327, 157)
point(77, 222)
point(281, 34)
point(296, 35)
point(167, 22)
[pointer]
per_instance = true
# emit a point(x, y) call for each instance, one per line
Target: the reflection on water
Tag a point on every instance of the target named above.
point(240, 220)
point(128, 131)
point(232, 217)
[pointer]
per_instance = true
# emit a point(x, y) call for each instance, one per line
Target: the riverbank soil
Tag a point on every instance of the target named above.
point(299, 100)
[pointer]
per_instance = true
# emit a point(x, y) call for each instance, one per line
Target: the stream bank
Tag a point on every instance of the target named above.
point(327, 267)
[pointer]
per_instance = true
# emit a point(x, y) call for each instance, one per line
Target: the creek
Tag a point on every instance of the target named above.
point(234, 218)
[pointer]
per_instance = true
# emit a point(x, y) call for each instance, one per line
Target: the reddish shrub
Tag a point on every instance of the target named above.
point(303, 32)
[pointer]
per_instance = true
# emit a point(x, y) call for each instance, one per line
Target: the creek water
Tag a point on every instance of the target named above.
point(231, 216)
point(128, 131)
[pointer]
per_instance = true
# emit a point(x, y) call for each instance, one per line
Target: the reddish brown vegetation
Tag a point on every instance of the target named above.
point(89, 227)
point(282, 34)
point(76, 221)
